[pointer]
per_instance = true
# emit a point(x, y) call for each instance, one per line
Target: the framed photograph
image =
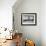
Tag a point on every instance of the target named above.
point(28, 18)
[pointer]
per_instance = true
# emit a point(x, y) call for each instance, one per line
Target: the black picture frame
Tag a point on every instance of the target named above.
point(29, 19)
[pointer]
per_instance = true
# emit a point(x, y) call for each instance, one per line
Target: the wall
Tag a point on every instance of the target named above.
point(43, 22)
point(29, 32)
point(6, 13)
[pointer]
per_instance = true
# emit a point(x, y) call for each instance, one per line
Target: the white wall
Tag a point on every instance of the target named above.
point(43, 22)
point(31, 32)
point(6, 13)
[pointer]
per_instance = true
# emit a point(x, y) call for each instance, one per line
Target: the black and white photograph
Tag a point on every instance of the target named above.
point(28, 18)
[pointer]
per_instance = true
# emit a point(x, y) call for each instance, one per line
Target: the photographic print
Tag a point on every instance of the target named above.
point(28, 19)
